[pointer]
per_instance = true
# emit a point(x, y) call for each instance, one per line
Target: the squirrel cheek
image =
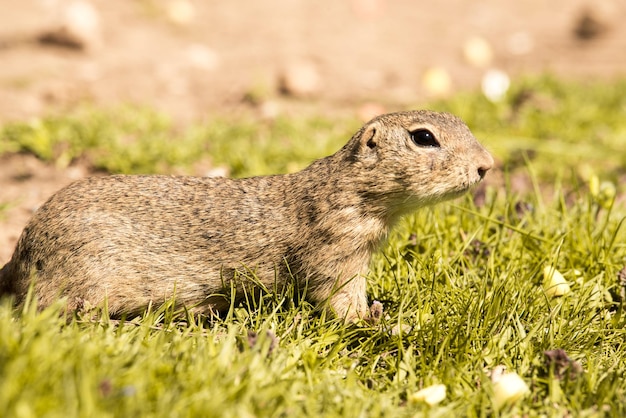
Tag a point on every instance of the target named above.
point(441, 166)
point(433, 165)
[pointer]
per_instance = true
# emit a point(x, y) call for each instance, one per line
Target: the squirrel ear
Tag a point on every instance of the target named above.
point(368, 143)
point(369, 137)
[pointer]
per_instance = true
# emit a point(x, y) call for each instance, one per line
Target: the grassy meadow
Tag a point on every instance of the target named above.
point(509, 302)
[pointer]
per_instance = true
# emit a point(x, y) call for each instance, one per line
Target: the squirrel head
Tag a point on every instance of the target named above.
point(415, 158)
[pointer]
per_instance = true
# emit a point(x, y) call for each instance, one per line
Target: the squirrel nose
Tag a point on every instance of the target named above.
point(485, 164)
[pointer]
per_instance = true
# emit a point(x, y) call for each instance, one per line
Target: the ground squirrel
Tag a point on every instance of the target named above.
point(136, 240)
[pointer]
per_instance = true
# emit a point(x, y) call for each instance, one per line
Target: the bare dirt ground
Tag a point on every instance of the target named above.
point(193, 59)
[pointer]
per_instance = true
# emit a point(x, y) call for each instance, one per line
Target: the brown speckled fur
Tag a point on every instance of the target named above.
point(133, 240)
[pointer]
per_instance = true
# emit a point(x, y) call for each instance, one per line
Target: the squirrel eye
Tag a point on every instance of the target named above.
point(424, 138)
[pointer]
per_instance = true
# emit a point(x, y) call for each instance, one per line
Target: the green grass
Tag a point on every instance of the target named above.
point(461, 284)
point(135, 140)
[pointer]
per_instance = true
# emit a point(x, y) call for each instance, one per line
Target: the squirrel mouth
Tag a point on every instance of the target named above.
point(462, 189)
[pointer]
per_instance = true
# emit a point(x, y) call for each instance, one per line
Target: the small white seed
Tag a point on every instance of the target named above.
point(509, 388)
point(437, 81)
point(554, 284)
point(478, 52)
point(430, 395)
point(495, 84)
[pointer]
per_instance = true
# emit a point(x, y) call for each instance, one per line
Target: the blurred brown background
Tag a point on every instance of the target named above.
point(195, 58)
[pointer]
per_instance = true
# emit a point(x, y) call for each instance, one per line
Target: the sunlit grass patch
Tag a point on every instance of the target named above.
point(464, 286)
